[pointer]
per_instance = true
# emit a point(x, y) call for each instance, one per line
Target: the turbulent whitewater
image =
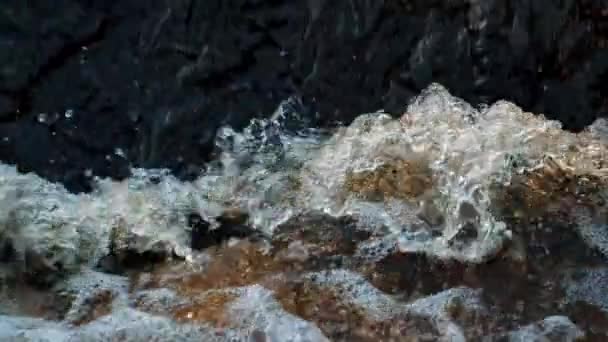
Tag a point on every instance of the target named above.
point(385, 229)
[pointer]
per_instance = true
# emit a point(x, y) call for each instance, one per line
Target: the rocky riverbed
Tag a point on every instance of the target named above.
point(448, 223)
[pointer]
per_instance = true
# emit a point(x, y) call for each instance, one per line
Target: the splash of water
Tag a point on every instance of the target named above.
point(430, 182)
point(428, 176)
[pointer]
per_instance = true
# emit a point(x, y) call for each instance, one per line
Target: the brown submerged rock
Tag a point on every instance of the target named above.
point(95, 305)
point(343, 321)
point(322, 235)
point(393, 179)
point(242, 264)
point(210, 309)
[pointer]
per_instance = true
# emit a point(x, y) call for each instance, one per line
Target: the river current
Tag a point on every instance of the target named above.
point(449, 223)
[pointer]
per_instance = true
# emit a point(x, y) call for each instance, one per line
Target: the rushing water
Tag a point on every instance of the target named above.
point(453, 184)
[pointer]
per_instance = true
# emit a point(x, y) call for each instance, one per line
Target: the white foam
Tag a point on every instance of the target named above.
point(552, 328)
point(357, 290)
point(124, 324)
point(275, 173)
point(257, 310)
point(591, 286)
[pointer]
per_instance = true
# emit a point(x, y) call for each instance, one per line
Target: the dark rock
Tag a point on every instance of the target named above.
point(92, 306)
point(123, 261)
point(199, 236)
point(7, 251)
point(40, 271)
point(233, 224)
point(109, 264)
point(37, 268)
point(7, 106)
point(126, 252)
point(29, 266)
point(591, 319)
point(155, 79)
point(323, 235)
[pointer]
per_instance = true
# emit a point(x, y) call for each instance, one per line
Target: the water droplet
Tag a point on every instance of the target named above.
point(43, 117)
point(119, 152)
point(69, 113)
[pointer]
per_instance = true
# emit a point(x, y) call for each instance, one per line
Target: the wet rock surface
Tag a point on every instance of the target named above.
point(91, 88)
point(310, 272)
point(326, 238)
point(467, 303)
